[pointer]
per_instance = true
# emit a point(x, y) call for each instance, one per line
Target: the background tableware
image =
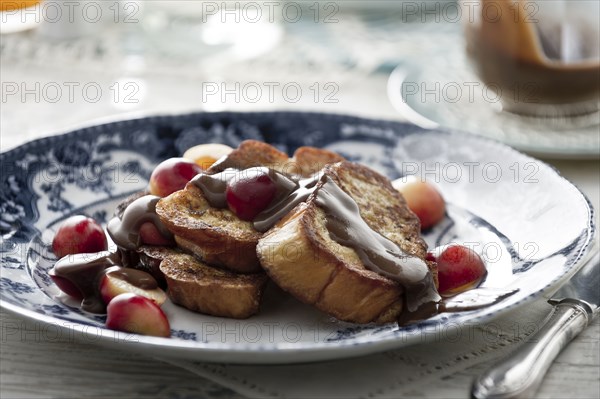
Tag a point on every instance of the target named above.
point(19, 15)
point(521, 373)
point(445, 93)
point(541, 57)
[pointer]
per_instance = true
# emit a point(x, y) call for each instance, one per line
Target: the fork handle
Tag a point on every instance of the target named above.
point(520, 374)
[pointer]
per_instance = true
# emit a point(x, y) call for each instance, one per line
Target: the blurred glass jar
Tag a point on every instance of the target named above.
point(541, 57)
point(61, 19)
point(18, 15)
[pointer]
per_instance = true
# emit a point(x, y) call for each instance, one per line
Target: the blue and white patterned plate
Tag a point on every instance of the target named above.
point(532, 226)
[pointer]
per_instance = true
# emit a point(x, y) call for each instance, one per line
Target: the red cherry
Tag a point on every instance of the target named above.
point(77, 235)
point(430, 257)
point(459, 269)
point(118, 280)
point(172, 175)
point(151, 236)
point(66, 286)
point(137, 314)
point(250, 193)
point(423, 199)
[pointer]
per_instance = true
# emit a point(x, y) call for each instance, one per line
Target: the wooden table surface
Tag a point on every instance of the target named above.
point(35, 364)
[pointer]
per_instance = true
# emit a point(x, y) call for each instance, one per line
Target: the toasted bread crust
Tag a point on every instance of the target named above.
point(218, 236)
point(301, 257)
point(205, 289)
point(384, 208)
point(310, 159)
point(150, 257)
point(241, 259)
point(251, 153)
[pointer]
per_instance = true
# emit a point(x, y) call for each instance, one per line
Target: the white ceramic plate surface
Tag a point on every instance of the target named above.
point(531, 225)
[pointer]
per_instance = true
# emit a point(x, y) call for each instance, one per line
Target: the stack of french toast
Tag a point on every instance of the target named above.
point(316, 252)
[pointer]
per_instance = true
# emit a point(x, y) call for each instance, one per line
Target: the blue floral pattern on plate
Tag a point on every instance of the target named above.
point(503, 203)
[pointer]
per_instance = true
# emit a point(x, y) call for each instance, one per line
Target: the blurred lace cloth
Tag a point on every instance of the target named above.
point(417, 370)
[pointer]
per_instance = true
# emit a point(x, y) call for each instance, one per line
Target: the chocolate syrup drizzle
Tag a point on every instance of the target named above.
point(290, 192)
point(378, 254)
point(137, 278)
point(344, 223)
point(125, 231)
point(286, 200)
point(85, 271)
point(345, 226)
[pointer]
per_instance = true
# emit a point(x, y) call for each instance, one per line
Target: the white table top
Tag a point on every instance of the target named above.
point(36, 364)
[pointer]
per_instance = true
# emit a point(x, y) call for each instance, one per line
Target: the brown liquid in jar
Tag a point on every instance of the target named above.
point(521, 59)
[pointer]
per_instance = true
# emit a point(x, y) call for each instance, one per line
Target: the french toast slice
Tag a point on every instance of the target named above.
point(193, 283)
point(200, 287)
point(216, 235)
point(209, 290)
point(301, 257)
point(149, 259)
